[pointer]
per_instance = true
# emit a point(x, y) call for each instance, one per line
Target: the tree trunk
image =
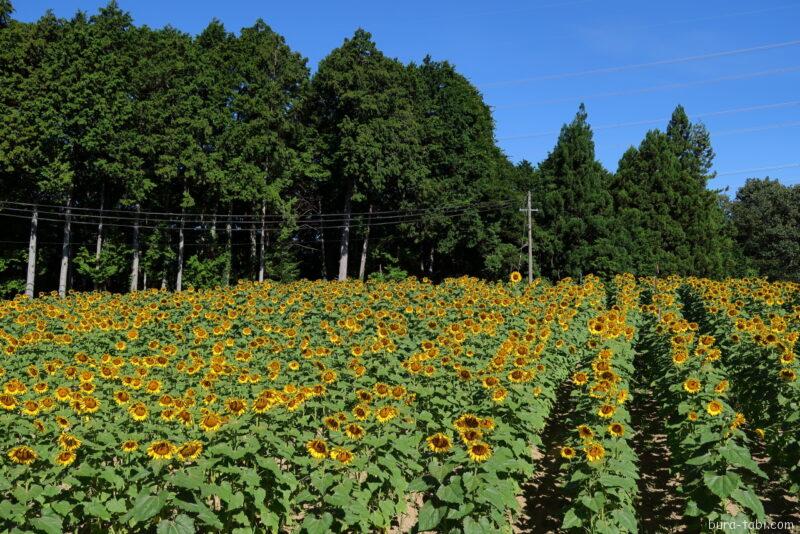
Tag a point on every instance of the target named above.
point(99, 247)
point(226, 272)
point(144, 280)
point(430, 262)
point(62, 277)
point(322, 243)
point(135, 262)
point(179, 276)
point(253, 250)
point(362, 269)
point(164, 280)
point(31, 278)
point(262, 251)
point(344, 243)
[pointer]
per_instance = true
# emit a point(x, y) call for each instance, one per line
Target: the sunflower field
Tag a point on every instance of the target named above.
point(396, 406)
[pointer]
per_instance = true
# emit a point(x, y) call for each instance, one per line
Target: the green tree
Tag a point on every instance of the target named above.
point(360, 104)
point(766, 218)
point(668, 220)
point(462, 167)
point(576, 205)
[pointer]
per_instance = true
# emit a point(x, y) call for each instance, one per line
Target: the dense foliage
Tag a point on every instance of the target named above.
point(402, 406)
point(160, 159)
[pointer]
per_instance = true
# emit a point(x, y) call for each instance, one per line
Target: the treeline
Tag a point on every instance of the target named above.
point(133, 157)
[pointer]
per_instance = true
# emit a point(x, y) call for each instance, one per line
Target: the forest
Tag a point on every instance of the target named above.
point(133, 158)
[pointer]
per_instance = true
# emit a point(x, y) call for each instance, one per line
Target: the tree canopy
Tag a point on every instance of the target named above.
point(135, 157)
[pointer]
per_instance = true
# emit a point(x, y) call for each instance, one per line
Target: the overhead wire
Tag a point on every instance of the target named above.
point(50, 217)
point(203, 217)
point(732, 111)
point(651, 89)
point(632, 66)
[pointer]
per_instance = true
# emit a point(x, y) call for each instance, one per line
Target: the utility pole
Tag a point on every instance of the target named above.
point(529, 210)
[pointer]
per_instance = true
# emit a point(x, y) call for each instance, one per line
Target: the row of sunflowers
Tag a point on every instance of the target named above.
point(403, 406)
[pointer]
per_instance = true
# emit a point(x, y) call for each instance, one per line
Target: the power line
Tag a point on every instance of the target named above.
point(760, 169)
point(507, 11)
point(760, 107)
point(414, 220)
point(187, 217)
point(147, 222)
point(772, 126)
point(651, 89)
point(621, 68)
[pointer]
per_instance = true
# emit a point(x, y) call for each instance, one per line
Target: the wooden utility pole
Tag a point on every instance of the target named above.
point(135, 260)
point(262, 238)
point(529, 211)
point(62, 276)
point(31, 275)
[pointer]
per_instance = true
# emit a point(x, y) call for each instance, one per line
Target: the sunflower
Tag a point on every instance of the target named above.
point(490, 382)
point(691, 385)
point(68, 442)
point(161, 450)
point(210, 422)
point(386, 414)
point(354, 431)
point(439, 443)
point(580, 378)
point(129, 446)
point(331, 423)
point(499, 394)
point(467, 421)
point(722, 387)
point(88, 405)
point(479, 451)
point(22, 454)
point(471, 435)
point(329, 376)
point(568, 453)
point(606, 411)
point(121, 397)
point(31, 407)
point(584, 432)
point(262, 405)
point(616, 429)
point(519, 375)
point(381, 389)
point(8, 402)
point(190, 450)
point(138, 412)
point(594, 451)
point(343, 456)
point(65, 458)
point(738, 420)
point(236, 406)
point(361, 412)
point(692, 416)
point(317, 448)
point(788, 374)
point(680, 357)
point(714, 408)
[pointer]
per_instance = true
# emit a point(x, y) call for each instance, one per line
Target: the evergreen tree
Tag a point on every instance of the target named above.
point(462, 167)
point(668, 221)
point(766, 218)
point(576, 205)
point(360, 104)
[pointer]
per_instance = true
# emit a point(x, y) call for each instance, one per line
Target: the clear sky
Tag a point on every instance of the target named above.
point(734, 64)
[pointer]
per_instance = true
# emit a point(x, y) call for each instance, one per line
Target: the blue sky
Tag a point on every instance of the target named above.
point(536, 61)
